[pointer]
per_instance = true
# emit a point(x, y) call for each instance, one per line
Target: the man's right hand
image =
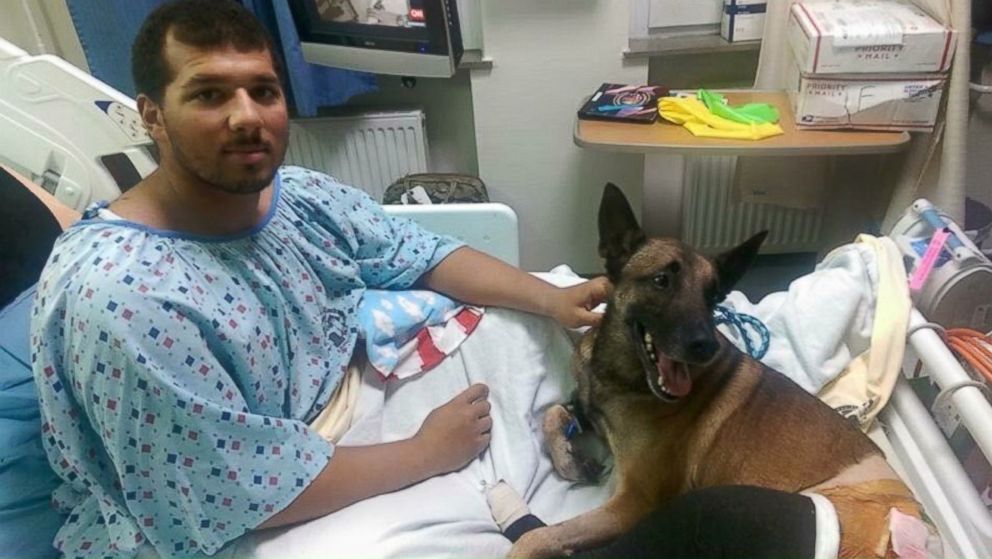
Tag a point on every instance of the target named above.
point(458, 431)
point(450, 437)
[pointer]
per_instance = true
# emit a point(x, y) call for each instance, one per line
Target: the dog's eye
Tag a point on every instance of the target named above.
point(661, 281)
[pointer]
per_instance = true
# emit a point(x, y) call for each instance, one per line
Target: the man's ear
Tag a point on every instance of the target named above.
point(619, 234)
point(151, 117)
point(731, 265)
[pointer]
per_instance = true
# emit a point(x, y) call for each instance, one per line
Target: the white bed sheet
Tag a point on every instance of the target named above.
point(525, 361)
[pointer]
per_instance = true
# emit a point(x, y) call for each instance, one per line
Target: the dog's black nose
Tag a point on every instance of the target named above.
point(702, 348)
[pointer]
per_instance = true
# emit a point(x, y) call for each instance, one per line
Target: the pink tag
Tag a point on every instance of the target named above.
point(929, 258)
point(909, 535)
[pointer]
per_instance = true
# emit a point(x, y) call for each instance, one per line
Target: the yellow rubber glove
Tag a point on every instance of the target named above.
point(693, 114)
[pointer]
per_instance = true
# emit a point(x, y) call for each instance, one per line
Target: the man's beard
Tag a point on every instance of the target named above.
point(215, 178)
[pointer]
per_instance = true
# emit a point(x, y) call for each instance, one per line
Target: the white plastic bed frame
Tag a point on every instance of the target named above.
point(58, 121)
point(919, 450)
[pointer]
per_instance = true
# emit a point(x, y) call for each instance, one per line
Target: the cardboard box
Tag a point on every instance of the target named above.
point(866, 102)
point(867, 36)
point(743, 20)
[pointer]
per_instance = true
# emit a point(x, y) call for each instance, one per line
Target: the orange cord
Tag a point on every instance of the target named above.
point(975, 348)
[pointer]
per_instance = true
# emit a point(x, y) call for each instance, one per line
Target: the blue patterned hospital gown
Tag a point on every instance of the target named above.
point(177, 373)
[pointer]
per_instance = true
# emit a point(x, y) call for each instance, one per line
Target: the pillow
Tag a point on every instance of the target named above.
point(28, 522)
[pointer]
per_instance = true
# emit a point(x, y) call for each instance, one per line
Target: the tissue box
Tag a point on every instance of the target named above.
point(866, 102)
point(867, 36)
point(743, 20)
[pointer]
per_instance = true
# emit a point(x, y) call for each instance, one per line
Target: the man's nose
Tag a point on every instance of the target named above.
point(244, 112)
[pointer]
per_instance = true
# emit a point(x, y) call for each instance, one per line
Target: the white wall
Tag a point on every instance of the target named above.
point(470, 17)
point(547, 54)
point(14, 27)
point(41, 27)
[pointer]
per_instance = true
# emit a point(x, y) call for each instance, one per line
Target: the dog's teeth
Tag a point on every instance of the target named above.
point(647, 338)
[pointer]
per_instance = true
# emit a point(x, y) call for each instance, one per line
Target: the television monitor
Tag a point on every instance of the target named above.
point(398, 37)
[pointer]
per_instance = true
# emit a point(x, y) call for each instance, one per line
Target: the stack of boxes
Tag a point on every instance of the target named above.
point(867, 64)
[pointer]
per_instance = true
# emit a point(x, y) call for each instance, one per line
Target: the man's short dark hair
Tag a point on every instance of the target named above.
point(203, 24)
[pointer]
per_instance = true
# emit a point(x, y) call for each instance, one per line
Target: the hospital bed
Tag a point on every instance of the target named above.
point(82, 140)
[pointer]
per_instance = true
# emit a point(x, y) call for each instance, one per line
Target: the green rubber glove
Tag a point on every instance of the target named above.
point(759, 113)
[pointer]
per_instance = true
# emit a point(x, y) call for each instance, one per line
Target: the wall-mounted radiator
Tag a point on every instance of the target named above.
point(712, 220)
point(367, 151)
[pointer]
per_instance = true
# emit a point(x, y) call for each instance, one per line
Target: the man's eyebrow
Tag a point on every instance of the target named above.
point(206, 79)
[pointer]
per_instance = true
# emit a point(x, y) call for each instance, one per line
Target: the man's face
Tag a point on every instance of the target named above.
point(223, 118)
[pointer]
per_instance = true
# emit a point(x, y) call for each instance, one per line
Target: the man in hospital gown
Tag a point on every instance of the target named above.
point(185, 335)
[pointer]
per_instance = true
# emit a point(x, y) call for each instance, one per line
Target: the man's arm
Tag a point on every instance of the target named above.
point(449, 438)
point(474, 277)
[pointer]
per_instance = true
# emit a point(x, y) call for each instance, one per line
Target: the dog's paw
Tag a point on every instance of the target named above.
point(560, 429)
point(535, 544)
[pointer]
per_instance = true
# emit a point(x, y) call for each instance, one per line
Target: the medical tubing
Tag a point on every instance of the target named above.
point(974, 348)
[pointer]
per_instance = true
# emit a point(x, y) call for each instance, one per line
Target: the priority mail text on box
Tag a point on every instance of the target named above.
point(867, 36)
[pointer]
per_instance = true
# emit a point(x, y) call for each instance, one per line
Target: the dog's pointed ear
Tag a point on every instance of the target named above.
point(619, 233)
point(731, 265)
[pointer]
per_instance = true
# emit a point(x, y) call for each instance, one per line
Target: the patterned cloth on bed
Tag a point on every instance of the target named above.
point(176, 373)
point(410, 332)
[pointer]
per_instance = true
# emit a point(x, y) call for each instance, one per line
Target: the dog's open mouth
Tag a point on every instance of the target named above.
point(668, 379)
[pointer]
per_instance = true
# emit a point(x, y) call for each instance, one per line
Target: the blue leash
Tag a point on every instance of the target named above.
point(741, 321)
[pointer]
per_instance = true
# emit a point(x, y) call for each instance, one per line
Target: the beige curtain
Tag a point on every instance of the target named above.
point(934, 165)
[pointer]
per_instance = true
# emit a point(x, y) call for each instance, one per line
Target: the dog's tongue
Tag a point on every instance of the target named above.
point(673, 376)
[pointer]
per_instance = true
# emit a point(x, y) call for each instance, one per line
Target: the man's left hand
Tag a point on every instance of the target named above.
point(572, 306)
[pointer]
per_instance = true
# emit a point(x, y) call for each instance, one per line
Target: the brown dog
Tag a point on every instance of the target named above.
point(682, 409)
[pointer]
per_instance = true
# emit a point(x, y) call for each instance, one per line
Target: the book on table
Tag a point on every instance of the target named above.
point(624, 103)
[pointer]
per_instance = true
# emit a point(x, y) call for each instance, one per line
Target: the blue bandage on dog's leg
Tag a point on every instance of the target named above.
point(510, 511)
point(572, 428)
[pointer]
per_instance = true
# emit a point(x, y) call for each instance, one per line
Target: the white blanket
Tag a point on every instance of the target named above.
point(525, 361)
point(821, 322)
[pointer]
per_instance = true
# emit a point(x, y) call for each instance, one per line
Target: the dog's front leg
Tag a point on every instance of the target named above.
point(570, 462)
point(593, 529)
